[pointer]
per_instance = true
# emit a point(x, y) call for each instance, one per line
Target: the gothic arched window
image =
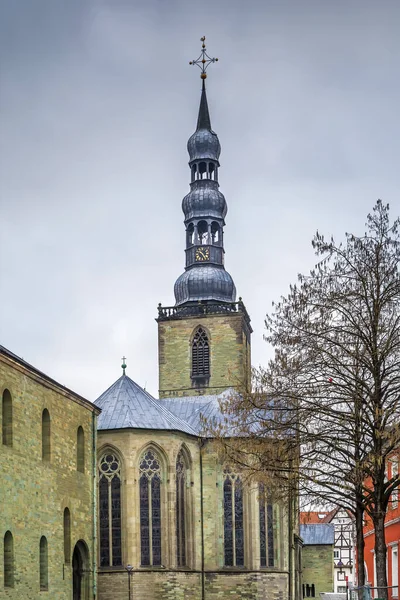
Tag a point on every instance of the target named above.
point(80, 450)
point(110, 510)
point(200, 355)
point(266, 529)
point(46, 440)
point(150, 509)
point(7, 417)
point(44, 565)
point(233, 520)
point(8, 560)
point(181, 469)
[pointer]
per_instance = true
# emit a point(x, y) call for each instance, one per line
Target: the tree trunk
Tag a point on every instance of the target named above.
point(360, 548)
point(380, 554)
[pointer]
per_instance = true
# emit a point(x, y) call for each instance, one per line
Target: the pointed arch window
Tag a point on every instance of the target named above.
point(80, 450)
point(46, 440)
point(7, 418)
point(8, 560)
point(44, 565)
point(110, 510)
point(67, 536)
point(150, 509)
point(181, 476)
point(267, 550)
point(233, 520)
point(200, 355)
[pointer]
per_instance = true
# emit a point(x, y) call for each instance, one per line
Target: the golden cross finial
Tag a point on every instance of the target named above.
point(204, 60)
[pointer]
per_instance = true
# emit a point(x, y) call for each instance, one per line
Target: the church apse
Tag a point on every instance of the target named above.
point(205, 294)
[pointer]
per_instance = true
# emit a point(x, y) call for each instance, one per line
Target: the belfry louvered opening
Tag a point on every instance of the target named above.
point(200, 356)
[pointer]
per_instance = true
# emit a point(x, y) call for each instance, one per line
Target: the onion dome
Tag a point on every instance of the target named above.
point(204, 199)
point(204, 143)
point(204, 282)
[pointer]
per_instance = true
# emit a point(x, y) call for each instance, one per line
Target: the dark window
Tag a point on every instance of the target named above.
point(150, 509)
point(233, 520)
point(266, 529)
point(8, 560)
point(80, 450)
point(180, 510)
point(7, 417)
point(46, 440)
point(67, 536)
point(110, 511)
point(44, 565)
point(200, 354)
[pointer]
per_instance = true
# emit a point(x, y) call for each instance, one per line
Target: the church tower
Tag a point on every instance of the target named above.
point(204, 340)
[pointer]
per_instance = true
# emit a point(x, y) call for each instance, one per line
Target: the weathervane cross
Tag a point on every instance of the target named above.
point(204, 60)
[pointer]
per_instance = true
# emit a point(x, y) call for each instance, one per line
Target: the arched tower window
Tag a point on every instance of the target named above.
point(44, 565)
point(200, 355)
point(46, 440)
point(190, 234)
point(7, 418)
point(233, 520)
point(150, 509)
point(181, 470)
point(215, 233)
point(67, 536)
point(110, 510)
point(202, 230)
point(8, 560)
point(266, 529)
point(80, 450)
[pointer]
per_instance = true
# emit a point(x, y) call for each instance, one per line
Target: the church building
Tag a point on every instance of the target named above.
point(128, 498)
point(187, 525)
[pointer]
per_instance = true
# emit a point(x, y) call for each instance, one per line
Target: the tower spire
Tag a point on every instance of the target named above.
point(205, 278)
point(203, 120)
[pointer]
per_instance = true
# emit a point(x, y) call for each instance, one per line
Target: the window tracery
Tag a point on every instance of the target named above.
point(267, 549)
point(200, 354)
point(110, 510)
point(181, 469)
point(150, 509)
point(233, 520)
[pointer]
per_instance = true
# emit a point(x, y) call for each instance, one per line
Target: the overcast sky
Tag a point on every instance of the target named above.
point(97, 102)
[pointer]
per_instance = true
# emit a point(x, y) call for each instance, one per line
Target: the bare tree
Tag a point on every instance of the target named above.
point(333, 388)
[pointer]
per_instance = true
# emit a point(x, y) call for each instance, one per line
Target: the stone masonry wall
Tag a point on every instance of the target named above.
point(33, 493)
point(178, 585)
point(181, 584)
point(230, 359)
point(318, 567)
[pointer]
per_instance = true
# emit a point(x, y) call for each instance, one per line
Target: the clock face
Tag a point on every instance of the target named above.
point(202, 254)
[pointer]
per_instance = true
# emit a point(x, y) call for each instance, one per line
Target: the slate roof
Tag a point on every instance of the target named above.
point(192, 409)
point(126, 405)
point(318, 534)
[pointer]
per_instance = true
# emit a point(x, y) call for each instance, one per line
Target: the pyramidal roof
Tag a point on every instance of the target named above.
point(126, 405)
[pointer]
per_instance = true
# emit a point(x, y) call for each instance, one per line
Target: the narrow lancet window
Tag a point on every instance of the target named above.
point(267, 550)
point(67, 536)
point(46, 439)
point(181, 510)
point(233, 520)
point(44, 565)
point(150, 509)
point(110, 510)
point(200, 354)
point(7, 418)
point(80, 450)
point(8, 560)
